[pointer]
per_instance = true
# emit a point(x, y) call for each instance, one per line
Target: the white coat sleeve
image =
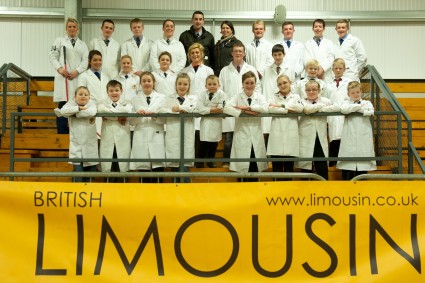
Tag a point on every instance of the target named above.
point(55, 53)
point(153, 57)
point(347, 107)
point(89, 112)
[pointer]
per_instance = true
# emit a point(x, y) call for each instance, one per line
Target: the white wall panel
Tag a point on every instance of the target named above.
point(10, 45)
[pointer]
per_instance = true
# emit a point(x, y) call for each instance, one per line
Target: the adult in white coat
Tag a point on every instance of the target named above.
point(351, 49)
point(313, 130)
point(357, 135)
point(294, 50)
point(66, 79)
point(109, 47)
point(321, 49)
point(148, 138)
point(165, 78)
point(180, 102)
point(284, 139)
point(170, 44)
point(138, 47)
point(248, 139)
point(116, 139)
point(83, 142)
point(259, 50)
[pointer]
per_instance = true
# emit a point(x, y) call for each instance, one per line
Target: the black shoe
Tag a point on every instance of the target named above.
point(211, 165)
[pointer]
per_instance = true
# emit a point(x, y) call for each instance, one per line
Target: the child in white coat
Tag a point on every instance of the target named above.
point(165, 78)
point(129, 80)
point(357, 135)
point(82, 140)
point(115, 141)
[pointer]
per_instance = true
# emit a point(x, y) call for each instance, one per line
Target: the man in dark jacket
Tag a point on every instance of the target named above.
point(197, 33)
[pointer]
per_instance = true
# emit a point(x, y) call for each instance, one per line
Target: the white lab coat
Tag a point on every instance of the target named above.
point(210, 129)
point(284, 137)
point(149, 136)
point(294, 57)
point(172, 137)
point(76, 59)
point(96, 87)
point(299, 87)
point(247, 133)
point(165, 84)
point(110, 55)
point(270, 88)
point(82, 131)
point(260, 57)
point(115, 134)
point(309, 126)
point(357, 136)
point(140, 55)
point(130, 85)
point(231, 84)
point(176, 50)
point(324, 53)
point(354, 55)
point(337, 95)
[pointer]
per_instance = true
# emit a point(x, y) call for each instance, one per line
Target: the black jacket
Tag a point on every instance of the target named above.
point(188, 37)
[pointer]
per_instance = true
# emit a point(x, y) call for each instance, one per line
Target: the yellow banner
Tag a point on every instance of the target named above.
point(251, 232)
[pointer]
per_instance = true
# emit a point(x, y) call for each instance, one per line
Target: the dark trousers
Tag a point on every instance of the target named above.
point(282, 166)
point(321, 167)
point(349, 174)
point(62, 122)
point(207, 149)
point(153, 179)
point(115, 167)
point(252, 168)
point(81, 168)
point(178, 179)
point(228, 140)
point(197, 147)
point(334, 150)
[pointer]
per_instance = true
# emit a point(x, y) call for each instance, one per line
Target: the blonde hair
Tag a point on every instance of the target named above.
point(126, 57)
point(353, 84)
point(79, 88)
point(338, 61)
point(183, 76)
point(259, 22)
point(312, 63)
point(195, 46)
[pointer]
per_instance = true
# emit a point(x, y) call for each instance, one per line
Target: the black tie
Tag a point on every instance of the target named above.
point(317, 41)
point(196, 68)
point(126, 76)
point(341, 41)
point(180, 99)
point(138, 41)
point(198, 35)
point(165, 74)
point(97, 75)
point(73, 42)
point(358, 102)
point(249, 100)
point(278, 70)
point(288, 43)
point(148, 100)
point(238, 68)
point(314, 102)
point(257, 42)
point(210, 96)
point(168, 41)
point(106, 42)
point(114, 104)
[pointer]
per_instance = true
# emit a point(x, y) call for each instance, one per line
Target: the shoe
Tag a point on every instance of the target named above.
point(211, 165)
point(225, 165)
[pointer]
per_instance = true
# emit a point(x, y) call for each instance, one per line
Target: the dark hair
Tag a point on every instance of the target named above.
point(113, 83)
point(108, 21)
point(229, 23)
point(247, 75)
point(278, 48)
point(287, 24)
point(198, 13)
point(320, 21)
point(91, 55)
point(147, 73)
point(166, 53)
point(238, 43)
point(168, 20)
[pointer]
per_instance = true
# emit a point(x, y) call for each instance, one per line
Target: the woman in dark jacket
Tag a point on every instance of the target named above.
point(223, 47)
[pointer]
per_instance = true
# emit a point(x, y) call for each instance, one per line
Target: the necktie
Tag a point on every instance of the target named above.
point(317, 41)
point(238, 68)
point(148, 100)
point(165, 74)
point(106, 42)
point(358, 102)
point(168, 41)
point(138, 41)
point(313, 102)
point(210, 96)
point(73, 42)
point(341, 41)
point(114, 104)
point(126, 76)
point(198, 35)
point(257, 42)
point(288, 43)
point(180, 99)
point(249, 100)
point(196, 68)
point(97, 75)
point(278, 70)
point(337, 82)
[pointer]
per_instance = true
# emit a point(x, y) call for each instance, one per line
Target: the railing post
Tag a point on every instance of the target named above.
point(12, 145)
point(182, 159)
point(4, 106)
point(400, 143)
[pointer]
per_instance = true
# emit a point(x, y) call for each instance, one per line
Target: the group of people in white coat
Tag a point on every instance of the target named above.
point(173, 88)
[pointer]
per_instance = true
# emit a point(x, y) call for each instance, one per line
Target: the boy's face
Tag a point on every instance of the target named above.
point(82, 97)
point(212, 85)
point(107, 29)
point(126, 65)
point(168, 29)
point(249, 86)
point(318, 30)
point(238, 52)
point(341, 29)
point(288, 31)
point(338, 70)
point(96, 62)
point(164, 62)
point(312, 71)
point(355, 94)
point(258, 30)
point(114, 93)
point(182, 86)
point(312, 91)
point(278, 57)
point(137, 29)
point(72, 29)
point(146, 82)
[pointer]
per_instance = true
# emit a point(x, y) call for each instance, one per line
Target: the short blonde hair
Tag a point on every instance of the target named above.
point(353, 84)
point(312, 63)
point(259, 22)
point(338, 61)
point(195, 46)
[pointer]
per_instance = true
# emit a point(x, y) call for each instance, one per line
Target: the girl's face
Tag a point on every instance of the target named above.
point(182, 86)
point(96, 62)
point(355, 94)
point(312, 90)
point(146, 81)
point(126, 65)
point(164, 62)
point(284, 85)
point(72, 29)
point(195, 56)
point(82, 97)
point(312, 71)
point(225, 30)
point(249, 86)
